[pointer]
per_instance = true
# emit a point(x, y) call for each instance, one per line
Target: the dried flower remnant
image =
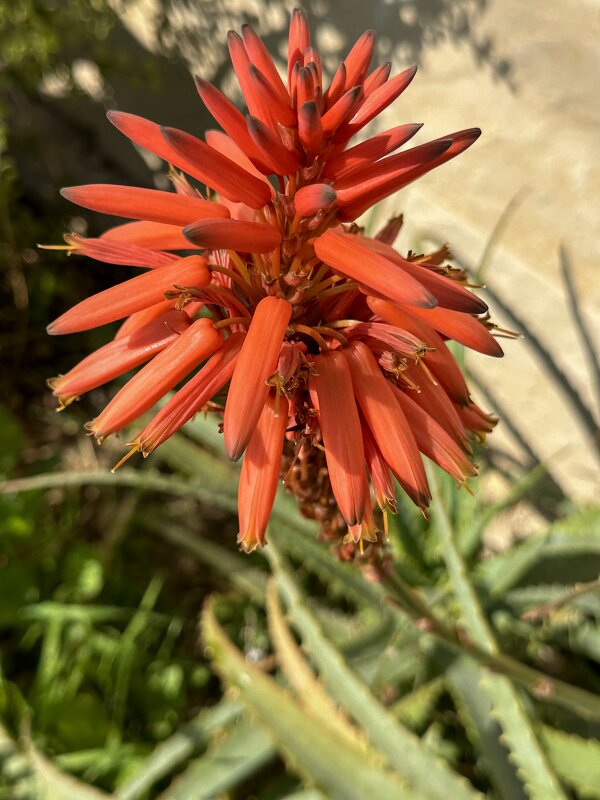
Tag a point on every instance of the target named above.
point(322, 349)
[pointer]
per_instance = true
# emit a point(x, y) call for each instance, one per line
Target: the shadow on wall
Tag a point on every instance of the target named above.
point(195, 29)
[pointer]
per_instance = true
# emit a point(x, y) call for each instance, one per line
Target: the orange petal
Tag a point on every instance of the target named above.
point(398, 171)
point(463, 328)
point(336, 87)
point(439, 360)
point(313, 198)
point(121, 355)
point(230, 119)
point(305, 87)
point(476, 420)
point(192, 396)
point(298, 41)
point(158, 377)
point(146, 204)
point(310, 129)
point(344, 253)
point(377, 78)
point(241, 67)
point(371, 176)
point(434, 399)
point(257, 361)
point(433, 441)
point(358, 60)
point(146, 134)
point(387, 423)
point(260, 473)
point(233, 234)
point(281, 160)
point(226, 145)
point(132, 295)
point(312, 60)
point(449, 147)
point(261, 59)
point(217, 171)
point(341, 110)
point(447, 292)
point(369, 151)
point(111, 252)
point(139, 319)
point(278, 109)
point(332, 395)
point(379, 99)
point(153, 235)
point(380, 473)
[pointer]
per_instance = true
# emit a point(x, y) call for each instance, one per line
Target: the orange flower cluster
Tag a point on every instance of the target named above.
point(332, 344)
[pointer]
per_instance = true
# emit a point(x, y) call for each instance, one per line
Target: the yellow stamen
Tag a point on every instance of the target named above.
point(125, 458)
point(225, 323)
point(312, 333)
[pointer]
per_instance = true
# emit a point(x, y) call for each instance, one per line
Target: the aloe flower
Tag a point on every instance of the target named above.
point(322, 349)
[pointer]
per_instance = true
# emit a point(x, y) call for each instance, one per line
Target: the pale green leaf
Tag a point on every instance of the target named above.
point(507, 704)
point(404, 751)
point(234, 758)
point(576, 760)
point(178, 748)
point(320, 756)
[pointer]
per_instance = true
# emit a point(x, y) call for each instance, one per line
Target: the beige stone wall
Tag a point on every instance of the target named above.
point(541, 141)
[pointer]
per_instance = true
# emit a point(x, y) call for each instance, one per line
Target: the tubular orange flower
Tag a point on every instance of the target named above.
point(333, 344)
point(132, 295)
point(159, 376)
point(260, 473)
point(257, 362)
point(332, 395)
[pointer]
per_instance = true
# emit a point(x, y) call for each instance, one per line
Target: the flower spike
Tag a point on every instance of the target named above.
point(322, 351)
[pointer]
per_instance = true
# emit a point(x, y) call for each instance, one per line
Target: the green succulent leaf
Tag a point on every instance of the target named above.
point(404, 751)
point(308, 747)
